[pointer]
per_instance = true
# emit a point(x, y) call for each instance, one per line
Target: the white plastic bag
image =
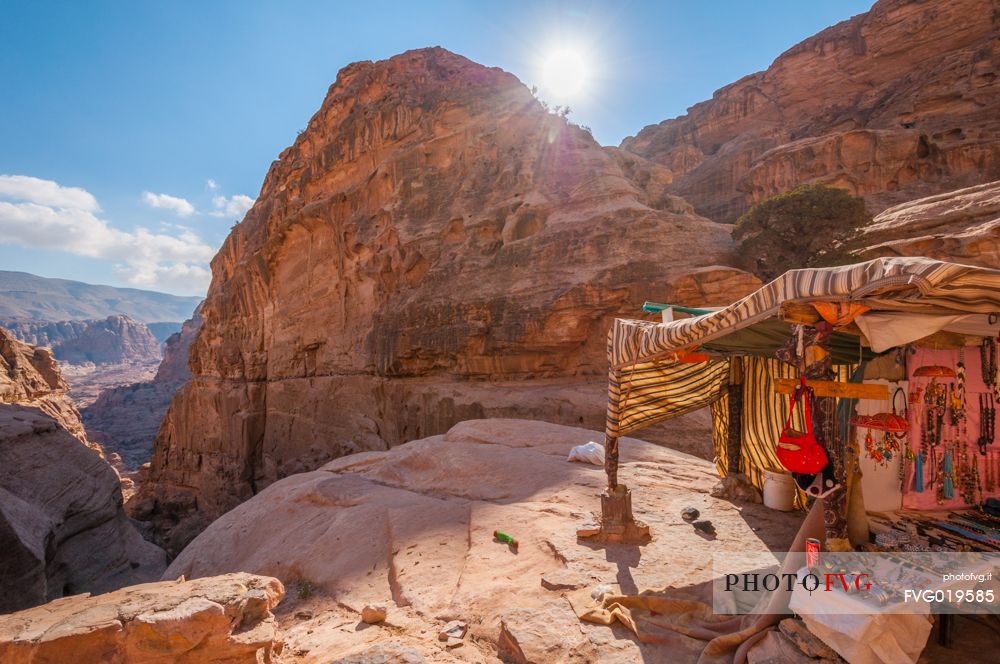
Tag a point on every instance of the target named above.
point(592, 453)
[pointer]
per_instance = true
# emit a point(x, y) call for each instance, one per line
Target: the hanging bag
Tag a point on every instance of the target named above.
point(799, 451)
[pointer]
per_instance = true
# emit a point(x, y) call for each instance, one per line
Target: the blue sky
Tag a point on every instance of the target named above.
point(134, 134)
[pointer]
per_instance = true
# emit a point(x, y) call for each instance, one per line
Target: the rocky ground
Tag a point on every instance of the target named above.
point(220, 619)
point(412, 528)
point(380, 552)
point(87, 381)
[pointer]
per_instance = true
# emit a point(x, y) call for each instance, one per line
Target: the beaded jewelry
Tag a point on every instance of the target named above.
point(988, 357)
point(987, 421)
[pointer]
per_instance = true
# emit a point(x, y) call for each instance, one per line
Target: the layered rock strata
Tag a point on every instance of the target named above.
point(961, 226)
point(125, 419)
point(894, 104)
point(435, 246)
point(113, 340)
point(30, 376)
point(224, 619)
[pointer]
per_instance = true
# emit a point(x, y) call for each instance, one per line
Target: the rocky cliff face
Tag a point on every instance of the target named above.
point(125, 419)
point(434, 247)
point(894, 104)
point(61, 519)
point(30, 376)
point(961, 226)
point(114, 340)
point(174, 367)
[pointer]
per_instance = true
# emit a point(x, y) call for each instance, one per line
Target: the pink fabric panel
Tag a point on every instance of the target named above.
point(974, 387)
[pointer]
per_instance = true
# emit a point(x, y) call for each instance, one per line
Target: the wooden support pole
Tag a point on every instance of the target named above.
point(734, 435)
point(611, 461)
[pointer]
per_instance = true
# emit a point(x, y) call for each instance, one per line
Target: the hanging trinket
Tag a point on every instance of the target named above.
point(934, 410)
point(956, 401)
point(987, 422)
point(891, 428)
point(918, 472)
point(947, 483)
point(904, 463)
point(988, 357)
point(972, 490)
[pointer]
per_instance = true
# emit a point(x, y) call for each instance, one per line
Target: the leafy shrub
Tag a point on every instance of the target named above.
point(808, 226)
point(305, 590)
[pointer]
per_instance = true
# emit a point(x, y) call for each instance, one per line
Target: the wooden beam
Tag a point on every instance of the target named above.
point(830, 388)
point(799, 313)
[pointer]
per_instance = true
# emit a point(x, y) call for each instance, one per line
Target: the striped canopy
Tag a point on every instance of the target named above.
point(918, 285)
point(647, 384)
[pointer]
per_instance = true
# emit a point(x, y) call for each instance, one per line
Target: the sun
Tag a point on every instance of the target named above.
point(564, 74)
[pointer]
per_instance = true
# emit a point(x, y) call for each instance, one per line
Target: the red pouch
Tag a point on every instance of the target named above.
point(799, 451)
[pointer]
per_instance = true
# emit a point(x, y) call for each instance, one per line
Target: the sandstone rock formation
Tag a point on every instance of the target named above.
point(164, 330)
point(125, 419)
point(61, 519)
point(113, 340)
point(413, 527)
point(434, 247)
point(30, 377)
point(894, 104)
point(961, 226)
point(217, 619)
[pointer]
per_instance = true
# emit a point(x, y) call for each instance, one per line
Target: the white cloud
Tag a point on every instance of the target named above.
point(42, 214)
point(46, 192)
point(233, 207)
point(167, 202)
point(212, 184)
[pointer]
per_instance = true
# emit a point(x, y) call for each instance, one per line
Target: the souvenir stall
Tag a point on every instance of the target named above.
point(873, 386)
point(943, 452)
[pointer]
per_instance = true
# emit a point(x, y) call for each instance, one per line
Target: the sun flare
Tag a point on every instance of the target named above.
point(564, 74)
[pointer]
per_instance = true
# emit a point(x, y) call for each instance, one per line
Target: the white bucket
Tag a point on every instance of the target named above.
point(779, 491)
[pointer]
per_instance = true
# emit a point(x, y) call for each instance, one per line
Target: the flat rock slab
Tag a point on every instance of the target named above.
point(413, 527)
point(214, 619)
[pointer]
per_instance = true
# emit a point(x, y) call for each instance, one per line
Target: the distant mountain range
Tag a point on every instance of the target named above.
point(25, 297)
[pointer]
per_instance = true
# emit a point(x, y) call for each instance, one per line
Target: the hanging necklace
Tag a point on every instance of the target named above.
point(934, 408)
point(972, 490)
point(988, 356)
point(987, 421)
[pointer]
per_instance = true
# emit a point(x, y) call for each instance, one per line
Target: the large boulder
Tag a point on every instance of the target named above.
point(961, 226)
point(893, 104)
point(225, 619)
point(413, 528)
point(62, 526)
point(434, 247)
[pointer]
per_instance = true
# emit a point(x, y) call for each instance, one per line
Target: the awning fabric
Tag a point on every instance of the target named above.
point(644, 394)
point(918, 285)
point(647, 385)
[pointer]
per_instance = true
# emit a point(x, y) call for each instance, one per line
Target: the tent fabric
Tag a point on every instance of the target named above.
point(918, 285)
point(762, 417)
point(766, 337)
point(643, 394)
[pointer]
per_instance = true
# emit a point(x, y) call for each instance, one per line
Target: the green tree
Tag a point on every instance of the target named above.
point(808, 226)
